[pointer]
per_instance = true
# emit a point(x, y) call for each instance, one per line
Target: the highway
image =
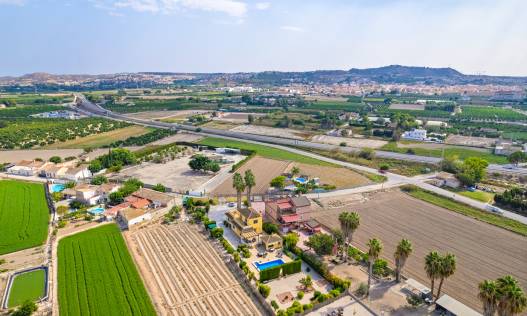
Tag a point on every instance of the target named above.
point(88, 108)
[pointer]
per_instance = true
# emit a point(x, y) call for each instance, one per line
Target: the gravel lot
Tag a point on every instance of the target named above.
point(483, 251)
point(268, 131)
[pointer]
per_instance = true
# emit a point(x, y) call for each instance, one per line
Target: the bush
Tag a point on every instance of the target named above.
point(300, 295)
point(292, 267)
point(384, 167)
point(98, 180)
point(414, 300)
point(216, 232)
point(270, 228)
point(236, 257)
point(270, 274)
point(159, 187)
point(274, 304)
point(380, 268)
point(367, 153)
point(265, 290)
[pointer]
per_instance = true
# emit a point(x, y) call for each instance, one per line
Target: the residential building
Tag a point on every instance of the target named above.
point(273, 241)
point(415, 134)
point(289, 212)
point(87, 194)
point(245, 223)
point(156, 198)
point(27, 168)
point(77, 173)
point(133, 216)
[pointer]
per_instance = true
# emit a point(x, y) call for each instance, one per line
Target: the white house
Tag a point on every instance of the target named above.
point(26, 168)
point(77, 173)
point(415, 134)
point(132, 216)
point(87, 194)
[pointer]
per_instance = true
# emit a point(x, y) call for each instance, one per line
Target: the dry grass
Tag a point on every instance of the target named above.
point(342, 178)
point(99, 140)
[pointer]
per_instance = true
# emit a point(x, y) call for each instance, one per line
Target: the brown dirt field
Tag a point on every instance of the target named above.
point(342, 178)
point(483, 251)
point(185, 275)
point(264, 170)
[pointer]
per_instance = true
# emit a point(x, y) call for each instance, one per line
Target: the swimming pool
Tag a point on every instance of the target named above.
point(96, 210)
point(269, 264)
point(57, 187)
point(300, 180)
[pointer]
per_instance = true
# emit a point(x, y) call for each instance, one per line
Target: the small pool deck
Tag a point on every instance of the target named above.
point(270, 257)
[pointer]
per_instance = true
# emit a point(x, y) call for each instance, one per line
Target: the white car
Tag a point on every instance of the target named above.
point(494, 209)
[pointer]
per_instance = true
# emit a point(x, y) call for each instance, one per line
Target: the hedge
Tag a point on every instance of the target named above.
point(312, 260)
point(291, 267)
point(271, 273)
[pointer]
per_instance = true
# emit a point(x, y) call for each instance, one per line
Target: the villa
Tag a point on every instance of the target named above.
point(273, 241)
point(289, 212)
point(245, 223)
point(132, 216)
point(157, 199)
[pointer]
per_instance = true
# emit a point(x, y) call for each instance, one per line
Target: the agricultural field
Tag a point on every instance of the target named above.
point(407, 106)
point(491, 113)
point(485, 197)
point(97, 276)
point(157, 105)
point(351, 142)
point(461, 153)
point(25, 111)
point(264, 170)
point(262, 150)
point(44, 132)
point(27, 286)
point(483, 251)
point(341, 178)
point(34, 99)
point(102, 139)
point(24, 215)
point(335, 105)
point(269, 131)
point(185, 275)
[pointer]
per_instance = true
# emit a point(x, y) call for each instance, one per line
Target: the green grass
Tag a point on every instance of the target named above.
point(24, 215)
point(264, 151)
point(461, 153)
point(466, 210)
point(481, 196)
point(27, 286)
point(98, 277)
point(491, 113)
point(335, 105)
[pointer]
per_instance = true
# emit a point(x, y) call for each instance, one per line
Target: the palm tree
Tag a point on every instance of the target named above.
point(295, 171)
point(239, 185)
point(446, 269)
point(511, 298)
point(306, 282)
point(375, 248)
point(349, 222)
point(488, 295)
point(250, 182)
point(402, 252)
point(432, 267)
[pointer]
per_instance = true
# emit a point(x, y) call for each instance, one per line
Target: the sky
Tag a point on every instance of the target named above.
point(109, 36)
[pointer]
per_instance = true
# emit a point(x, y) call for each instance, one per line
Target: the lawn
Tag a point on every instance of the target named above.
point(102, 139)
point(27, 286)
point(485, 197)
point(264, 151)
point(98, 277)
point(461, 153)
point(24, 215)
point(466, 210)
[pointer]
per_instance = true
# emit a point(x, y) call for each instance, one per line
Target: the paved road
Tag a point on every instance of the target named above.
point(276, 142)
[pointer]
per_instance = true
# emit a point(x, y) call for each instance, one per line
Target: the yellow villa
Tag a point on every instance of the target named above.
point(245, 223)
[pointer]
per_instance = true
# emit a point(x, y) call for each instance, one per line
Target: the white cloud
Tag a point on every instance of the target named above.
point(291, 28)
point(13, 2)
point(233, 8)
point(263, 5)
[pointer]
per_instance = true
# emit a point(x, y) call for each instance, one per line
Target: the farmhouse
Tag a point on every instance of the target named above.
point(415, 134)
point(157, 199)
point(76, 173)
point(92, 194)
point(132, 216)
point(26, 168)
point(289, 212)
point(245, 223)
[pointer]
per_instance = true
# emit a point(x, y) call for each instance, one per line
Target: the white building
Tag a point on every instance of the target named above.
point(27, 168)
point(87, 194)
point(77, 173)
point(415, 134)
point(133, 216)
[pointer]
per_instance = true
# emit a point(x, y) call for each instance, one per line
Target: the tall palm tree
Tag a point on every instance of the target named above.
point(250, 182)
point(239, 185)
point(349, 222)
point(295, 171)
point(446, 269)
point(375, 248)
point(402, 252)
point(511, 298)
point(488, 295)
point(432, 267)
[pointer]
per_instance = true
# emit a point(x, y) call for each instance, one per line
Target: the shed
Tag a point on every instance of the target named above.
point(450, 306)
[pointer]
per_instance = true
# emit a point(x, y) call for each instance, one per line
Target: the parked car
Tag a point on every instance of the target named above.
point(494, 209)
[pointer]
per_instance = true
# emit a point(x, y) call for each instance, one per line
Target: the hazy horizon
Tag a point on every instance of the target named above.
point(229, 36)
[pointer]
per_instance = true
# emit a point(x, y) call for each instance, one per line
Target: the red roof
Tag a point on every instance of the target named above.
point(285, 205)
point(290, 218)
point(140, 203)
point(114, 210)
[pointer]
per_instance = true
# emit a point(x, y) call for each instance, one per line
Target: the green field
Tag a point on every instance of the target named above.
point(335, 105)
point(461, 153)
point(264, 151)
point(491, 113)
point(24, 215)
point(97, 276)
point(485, 197)
point(27, 286)
point(466, 210)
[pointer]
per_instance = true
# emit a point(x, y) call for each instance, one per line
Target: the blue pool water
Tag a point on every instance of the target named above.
point(268, 264)
point(96, 210)
point(57, 188)
point(301, 180)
